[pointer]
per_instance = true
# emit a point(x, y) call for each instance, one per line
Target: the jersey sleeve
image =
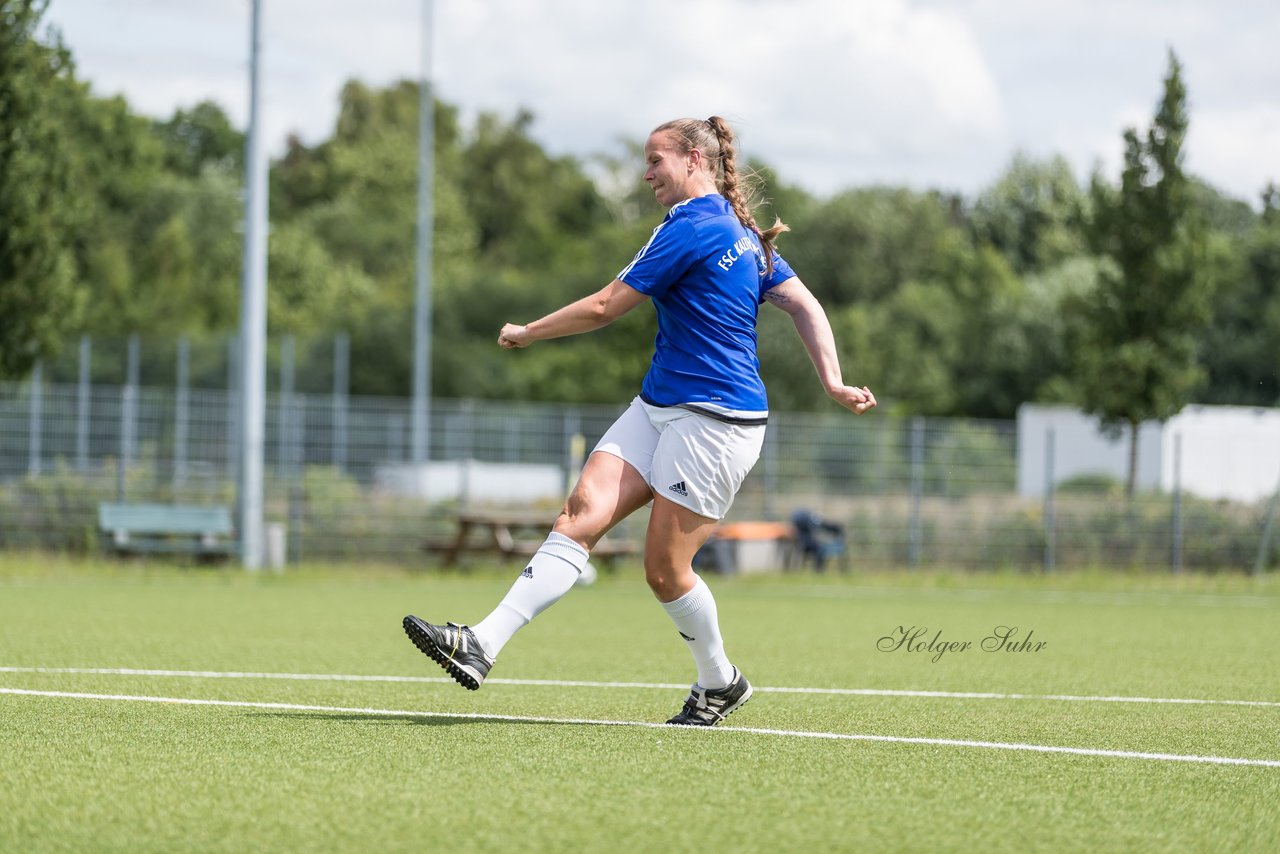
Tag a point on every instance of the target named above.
point(781, 272)
point(663, 260)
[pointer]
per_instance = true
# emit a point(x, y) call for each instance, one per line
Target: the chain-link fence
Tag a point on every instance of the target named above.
point(911, 493)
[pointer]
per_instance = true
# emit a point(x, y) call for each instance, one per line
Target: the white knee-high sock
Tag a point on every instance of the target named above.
point(549, 575)
point(695, 617)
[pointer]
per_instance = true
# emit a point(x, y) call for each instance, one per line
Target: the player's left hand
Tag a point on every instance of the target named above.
point(856, 400)
point(514, 336)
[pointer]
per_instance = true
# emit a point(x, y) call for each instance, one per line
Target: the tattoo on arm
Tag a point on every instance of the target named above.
point(776, 297)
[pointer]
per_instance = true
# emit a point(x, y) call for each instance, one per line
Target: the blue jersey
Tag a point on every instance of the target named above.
point(706, 276)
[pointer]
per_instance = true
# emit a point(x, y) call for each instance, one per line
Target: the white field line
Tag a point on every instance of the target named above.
point(571, 683)
point(784, 733)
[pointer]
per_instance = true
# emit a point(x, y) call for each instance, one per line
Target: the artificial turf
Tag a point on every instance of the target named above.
point(379, 764)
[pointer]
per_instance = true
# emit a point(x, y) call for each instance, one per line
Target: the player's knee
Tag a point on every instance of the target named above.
point(663, 580)
point(579, 520)
point(578, 504)
point(659, 583)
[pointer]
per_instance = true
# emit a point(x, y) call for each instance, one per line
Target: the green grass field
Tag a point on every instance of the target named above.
point(411, 761)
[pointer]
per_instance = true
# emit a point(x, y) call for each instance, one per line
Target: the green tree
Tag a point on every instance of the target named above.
point(353, 199)
point(1242, 346)
point(527, 205)
point(997, 353)
point(39, 300)
point(1135, 357)
point(1033, 214)
point(201, 138)
point(917, 335)
point(310, 291)
point(865, 244)
point(158, 249)
point(1222, 213)
point(1043, 319)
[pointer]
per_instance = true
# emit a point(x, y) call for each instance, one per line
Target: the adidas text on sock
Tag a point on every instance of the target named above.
point(548, 575)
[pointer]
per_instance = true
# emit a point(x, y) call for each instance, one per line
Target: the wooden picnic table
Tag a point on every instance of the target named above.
point(513, 533)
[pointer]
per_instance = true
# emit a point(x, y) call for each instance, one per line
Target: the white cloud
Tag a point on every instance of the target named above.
point(830, 92)
point(825, 91)
point(1239, 148)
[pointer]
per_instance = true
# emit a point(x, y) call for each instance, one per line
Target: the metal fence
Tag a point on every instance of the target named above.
point(908, 492)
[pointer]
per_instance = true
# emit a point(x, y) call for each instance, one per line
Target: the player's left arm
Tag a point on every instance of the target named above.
point(591, 312)
point(815, 331)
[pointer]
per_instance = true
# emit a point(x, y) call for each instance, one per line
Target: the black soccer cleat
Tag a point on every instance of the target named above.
point(453, 647)
point(707, 707)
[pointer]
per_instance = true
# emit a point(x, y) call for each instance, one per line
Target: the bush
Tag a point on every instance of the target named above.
point(1090, 484)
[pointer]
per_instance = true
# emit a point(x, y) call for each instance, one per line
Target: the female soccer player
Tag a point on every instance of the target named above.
point(696, 429)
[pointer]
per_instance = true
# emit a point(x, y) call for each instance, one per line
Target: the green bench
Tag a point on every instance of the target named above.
point(199, 530)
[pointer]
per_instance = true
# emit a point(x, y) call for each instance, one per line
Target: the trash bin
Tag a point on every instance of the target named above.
point(276, 545)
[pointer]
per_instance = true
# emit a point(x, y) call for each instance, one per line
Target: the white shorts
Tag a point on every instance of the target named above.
point(691, 459)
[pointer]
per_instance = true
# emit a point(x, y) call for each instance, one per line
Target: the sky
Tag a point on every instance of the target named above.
point(832, 94)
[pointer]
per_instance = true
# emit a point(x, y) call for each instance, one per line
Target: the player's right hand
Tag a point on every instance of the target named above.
point(514, 336)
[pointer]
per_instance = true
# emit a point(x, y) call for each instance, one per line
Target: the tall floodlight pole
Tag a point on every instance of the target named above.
point(421, 415)
point(253, 317)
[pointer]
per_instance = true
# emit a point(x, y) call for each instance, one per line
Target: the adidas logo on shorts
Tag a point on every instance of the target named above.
point(528, 572)
point(679, 489)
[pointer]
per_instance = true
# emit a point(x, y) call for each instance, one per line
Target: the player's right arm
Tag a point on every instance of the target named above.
point(589, 313)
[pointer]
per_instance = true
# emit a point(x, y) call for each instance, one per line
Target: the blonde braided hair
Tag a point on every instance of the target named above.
point(714, 138)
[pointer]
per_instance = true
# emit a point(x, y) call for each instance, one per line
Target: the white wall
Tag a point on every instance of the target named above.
point(472, 480)
point(1228, 452)
point(1080, 447)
